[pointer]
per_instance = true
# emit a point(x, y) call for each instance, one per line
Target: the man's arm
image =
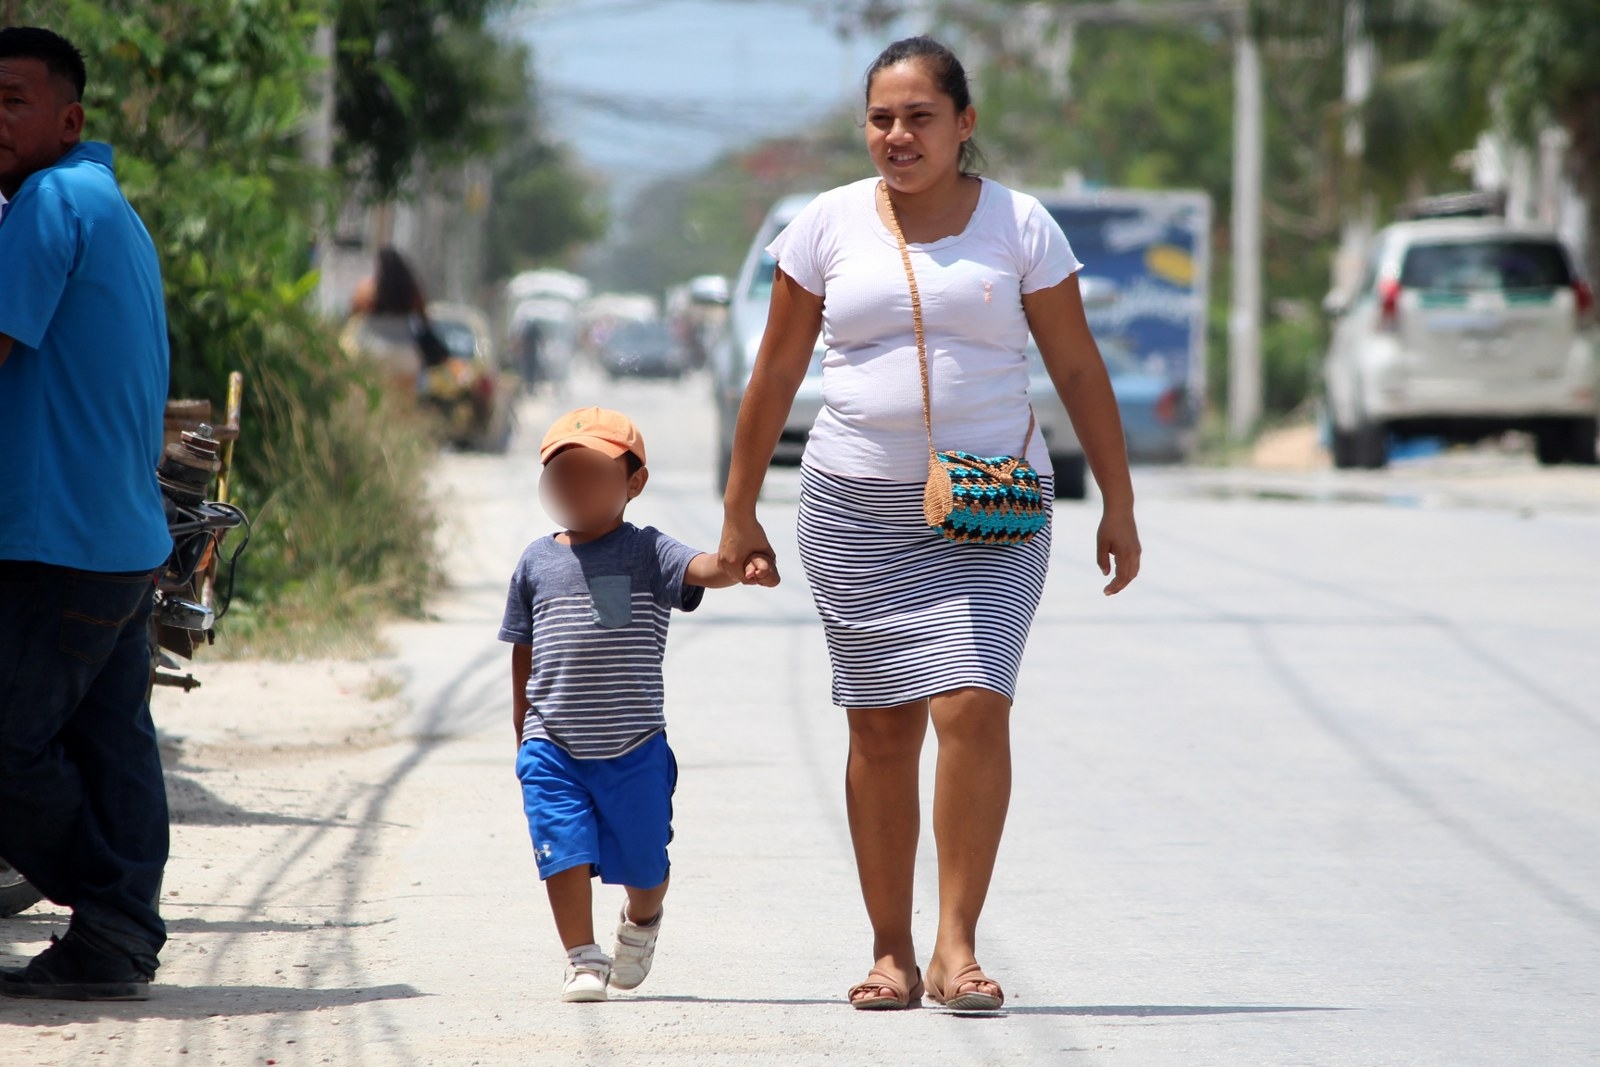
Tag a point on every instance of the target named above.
point(521, 669)
point(5, 348)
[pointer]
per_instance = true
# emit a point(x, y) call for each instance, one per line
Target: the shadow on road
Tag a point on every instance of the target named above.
point(202, 1002)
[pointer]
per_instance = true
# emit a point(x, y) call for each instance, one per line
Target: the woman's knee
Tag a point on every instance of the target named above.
point(972, 716)
point(881, 734)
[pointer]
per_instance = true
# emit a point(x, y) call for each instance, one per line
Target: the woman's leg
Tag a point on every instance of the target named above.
point(881, 798)
point(972, 789)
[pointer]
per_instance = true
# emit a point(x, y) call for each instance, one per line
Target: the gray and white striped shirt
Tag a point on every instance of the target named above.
point(596, 617)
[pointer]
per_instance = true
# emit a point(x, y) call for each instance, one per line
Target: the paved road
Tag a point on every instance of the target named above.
point(1322, 788)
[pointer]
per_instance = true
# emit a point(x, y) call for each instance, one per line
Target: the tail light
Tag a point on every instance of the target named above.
point(1389, 304)
point(1584, 297)
point(1167, 406)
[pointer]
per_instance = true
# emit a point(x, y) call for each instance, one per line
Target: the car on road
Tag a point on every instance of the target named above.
point(643, 349)
point(473, 395)
point(1462, 329)
point(734, 358)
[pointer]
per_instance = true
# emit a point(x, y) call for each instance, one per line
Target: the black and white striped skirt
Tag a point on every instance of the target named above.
point(908, 614)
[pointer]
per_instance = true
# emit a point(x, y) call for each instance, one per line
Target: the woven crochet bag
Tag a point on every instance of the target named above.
point(995, 500)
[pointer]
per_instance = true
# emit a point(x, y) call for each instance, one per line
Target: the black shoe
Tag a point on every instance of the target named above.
point(78, 966)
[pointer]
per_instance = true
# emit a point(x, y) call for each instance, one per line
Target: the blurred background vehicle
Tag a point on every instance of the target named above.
point(734, 357)
point(1464, 328)
point(473, 396)
point(697, 312)
point(541, 332)
point(604, 313)
point(643, 349)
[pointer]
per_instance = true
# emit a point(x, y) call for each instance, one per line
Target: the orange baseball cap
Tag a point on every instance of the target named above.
point(605, 431)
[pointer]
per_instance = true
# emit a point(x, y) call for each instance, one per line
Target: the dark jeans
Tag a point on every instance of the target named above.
point(83, 806)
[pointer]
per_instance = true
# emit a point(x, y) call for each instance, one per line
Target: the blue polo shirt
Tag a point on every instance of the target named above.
point(83, 393)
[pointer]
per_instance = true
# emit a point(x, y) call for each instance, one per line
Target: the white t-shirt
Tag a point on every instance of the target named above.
point(971, 285)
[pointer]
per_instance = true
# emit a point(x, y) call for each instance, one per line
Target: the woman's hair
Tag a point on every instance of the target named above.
point(947, 73)
point(397, 291)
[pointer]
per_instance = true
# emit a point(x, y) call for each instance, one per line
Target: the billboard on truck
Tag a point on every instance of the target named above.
point(1146, 268)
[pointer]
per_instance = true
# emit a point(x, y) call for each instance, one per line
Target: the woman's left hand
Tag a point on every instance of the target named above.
point(1118, 539)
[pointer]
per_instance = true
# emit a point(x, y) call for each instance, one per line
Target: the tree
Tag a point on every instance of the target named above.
point(540, 208)
point(1537, 62)
point(417, 81)
point(203, 103)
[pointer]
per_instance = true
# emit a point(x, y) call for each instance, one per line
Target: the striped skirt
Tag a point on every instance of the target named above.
point(908, 614)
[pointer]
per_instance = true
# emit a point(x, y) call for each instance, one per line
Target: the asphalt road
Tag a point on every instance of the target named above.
point(1323, 787)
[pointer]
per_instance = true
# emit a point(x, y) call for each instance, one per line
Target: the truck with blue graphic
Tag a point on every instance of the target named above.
point(1146, 257)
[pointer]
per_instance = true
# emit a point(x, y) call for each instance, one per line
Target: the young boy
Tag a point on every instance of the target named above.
point(587, 617)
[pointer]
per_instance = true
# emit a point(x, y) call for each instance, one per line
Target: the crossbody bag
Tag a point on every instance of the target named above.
point(993, 500)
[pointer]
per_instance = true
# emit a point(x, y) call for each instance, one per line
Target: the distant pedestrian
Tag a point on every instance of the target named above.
point(926, 562)
point(587, 618)
point(83, 386)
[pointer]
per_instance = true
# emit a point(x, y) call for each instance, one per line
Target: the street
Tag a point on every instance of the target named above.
point(1321, 788)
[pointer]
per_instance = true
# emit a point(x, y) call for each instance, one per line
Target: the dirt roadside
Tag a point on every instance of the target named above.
point(275, 776)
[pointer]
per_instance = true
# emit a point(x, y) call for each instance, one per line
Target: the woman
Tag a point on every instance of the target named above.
point(921, 628)
point(389, 323)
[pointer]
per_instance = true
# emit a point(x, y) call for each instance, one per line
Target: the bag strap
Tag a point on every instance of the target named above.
point(916, 318)
point(922, 343)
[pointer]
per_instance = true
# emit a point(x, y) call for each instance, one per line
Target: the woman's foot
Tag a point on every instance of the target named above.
point(966, 988)
point(885, 990)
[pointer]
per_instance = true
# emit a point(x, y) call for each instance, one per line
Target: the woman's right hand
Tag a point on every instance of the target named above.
point(746, 554)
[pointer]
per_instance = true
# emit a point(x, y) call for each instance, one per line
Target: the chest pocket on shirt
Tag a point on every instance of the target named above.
point(611, 601)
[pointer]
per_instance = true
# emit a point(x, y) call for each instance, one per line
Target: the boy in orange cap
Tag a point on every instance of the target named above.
point(587, 618)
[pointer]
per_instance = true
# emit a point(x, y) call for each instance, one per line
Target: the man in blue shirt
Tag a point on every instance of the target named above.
point(83, 382)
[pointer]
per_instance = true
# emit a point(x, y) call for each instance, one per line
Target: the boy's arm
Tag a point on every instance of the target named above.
point(707, 573)
point(521, 668)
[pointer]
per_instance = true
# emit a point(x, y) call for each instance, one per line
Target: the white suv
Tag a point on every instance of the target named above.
point(1463, 328)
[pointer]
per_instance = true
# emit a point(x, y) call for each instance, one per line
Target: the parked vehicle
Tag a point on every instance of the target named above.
point(1462, 329)
point(1145, 282)
point(540, 311)
point(644, 349)
point(472, 394)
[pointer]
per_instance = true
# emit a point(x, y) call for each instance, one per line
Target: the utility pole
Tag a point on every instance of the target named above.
point(1244, 317)
point(1360, 59)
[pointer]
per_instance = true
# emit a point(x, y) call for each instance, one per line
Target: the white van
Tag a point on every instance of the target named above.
point(1464, 328)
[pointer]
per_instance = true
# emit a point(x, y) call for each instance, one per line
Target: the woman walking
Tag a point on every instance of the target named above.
point(925, 282)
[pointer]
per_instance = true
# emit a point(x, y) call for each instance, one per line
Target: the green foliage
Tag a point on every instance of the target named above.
point(1538, 62)
point(541, 208)
point(417, 82)
point(203, 101)
point(702, 223)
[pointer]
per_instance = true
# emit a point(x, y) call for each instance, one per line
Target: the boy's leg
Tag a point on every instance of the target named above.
point(565, 834)
point(644, 905)
point(572, 902)
point(634, 801)
point(562, 824)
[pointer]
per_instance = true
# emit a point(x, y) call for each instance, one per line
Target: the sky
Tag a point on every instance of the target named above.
point(641, 89)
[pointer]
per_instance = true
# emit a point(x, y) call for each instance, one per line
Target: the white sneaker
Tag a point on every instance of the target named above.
point(588, 969)
point(634, 951)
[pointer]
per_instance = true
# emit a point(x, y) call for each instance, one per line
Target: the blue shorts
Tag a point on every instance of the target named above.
point(613, 814)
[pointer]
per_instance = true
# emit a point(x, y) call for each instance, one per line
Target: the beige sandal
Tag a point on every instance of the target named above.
point(972, 999)
point(878, 980)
